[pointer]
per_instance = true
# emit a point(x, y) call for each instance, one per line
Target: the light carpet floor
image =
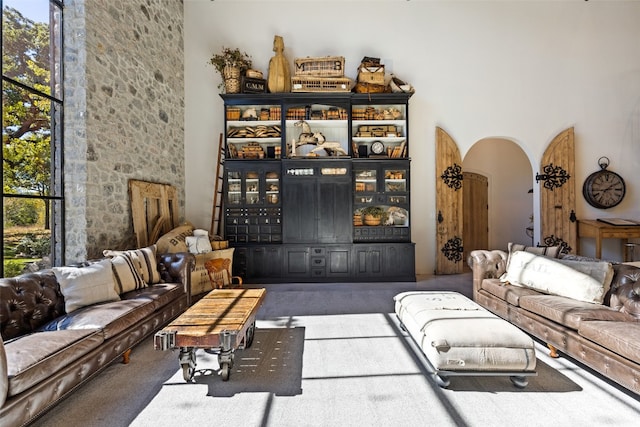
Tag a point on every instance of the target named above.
point(334, 355)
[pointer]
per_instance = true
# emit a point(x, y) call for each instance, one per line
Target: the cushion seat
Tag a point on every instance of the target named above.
point(507, 292)
point(159, 294)
point(569, 312)
point(112, 317)
point(620, 337)
point(37, 356)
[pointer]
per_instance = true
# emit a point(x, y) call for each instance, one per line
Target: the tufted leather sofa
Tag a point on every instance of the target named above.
point(46, 353)
point(604, 337)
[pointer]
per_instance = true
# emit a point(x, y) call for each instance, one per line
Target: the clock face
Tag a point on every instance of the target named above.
point(377, 147)
point(604, 189)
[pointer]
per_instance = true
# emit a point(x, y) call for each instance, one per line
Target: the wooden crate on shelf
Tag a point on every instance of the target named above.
point(327, 66)
point(320, 84)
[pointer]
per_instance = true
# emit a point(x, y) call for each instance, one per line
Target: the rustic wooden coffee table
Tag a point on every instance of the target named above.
point(224, 319)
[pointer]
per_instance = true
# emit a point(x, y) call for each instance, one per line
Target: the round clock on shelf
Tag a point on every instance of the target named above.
point(604, 189)
point(377, 147)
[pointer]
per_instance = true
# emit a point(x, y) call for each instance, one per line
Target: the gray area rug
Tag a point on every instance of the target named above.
point(334, 355)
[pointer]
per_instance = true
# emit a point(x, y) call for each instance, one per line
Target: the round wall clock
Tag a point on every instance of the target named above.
point(377, 147)
point(603, 189)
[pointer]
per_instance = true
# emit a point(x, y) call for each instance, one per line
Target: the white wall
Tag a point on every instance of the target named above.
point(523, 70)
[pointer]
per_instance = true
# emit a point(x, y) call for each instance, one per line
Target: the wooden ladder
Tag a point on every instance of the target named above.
point(216, 216)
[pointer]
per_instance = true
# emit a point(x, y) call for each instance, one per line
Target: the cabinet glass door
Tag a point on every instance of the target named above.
point(252, 187)
point(366, 181)
point(396, 193)
point(381, 201)
point(272, 187)
point(234, 188)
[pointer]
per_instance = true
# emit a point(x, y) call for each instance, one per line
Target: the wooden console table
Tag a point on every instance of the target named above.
point(600, 230)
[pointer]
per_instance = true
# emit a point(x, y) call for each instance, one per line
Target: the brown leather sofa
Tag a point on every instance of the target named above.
point(606, 337)
point(46, 353)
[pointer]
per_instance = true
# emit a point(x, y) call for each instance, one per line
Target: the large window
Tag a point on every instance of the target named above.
point(32, 137)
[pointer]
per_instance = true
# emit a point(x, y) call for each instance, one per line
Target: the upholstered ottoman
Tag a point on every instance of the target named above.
point(459, 337)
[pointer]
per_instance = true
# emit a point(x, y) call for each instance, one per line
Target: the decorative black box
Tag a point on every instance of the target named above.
point(251, 85)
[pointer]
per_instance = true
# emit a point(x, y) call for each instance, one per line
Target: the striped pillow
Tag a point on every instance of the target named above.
point(126, 273)
point(145, 258)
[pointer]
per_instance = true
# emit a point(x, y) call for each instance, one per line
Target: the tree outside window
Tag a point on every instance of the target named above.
point(31, 135)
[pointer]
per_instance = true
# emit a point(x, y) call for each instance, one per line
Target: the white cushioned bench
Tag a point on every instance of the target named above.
point(459, 337)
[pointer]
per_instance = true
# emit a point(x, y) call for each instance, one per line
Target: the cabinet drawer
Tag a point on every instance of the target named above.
point(318, 251)
point(318, 262)
point(318, 272)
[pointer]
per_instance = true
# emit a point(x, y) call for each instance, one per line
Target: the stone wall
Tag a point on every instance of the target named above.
point(124, 114)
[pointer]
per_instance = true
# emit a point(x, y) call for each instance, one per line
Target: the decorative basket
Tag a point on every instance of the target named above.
point(233, 113)
point(229, 72)
point(320, 84)
point(370, 88)
point(371, 73)
point(328, 66)
point(232, 85)
point(231, 76)
point(372, 220)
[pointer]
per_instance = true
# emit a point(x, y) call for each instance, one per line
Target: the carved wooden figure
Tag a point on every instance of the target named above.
point(279, 73)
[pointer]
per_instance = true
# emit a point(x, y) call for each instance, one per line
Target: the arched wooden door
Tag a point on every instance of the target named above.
point(449, 221)
point(475, 213)
point(558, 193)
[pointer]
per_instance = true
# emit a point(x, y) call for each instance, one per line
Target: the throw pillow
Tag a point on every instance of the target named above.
point(174, 240)
point(82, 286)
point(200, 276)
point(145, 260)
point(126, 272)
point(602, 271)
point(198, 244)
point(548, 276)
point(549, 251)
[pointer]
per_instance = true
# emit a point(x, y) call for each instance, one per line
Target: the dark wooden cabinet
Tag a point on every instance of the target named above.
point(316, 201)
point(293, 208)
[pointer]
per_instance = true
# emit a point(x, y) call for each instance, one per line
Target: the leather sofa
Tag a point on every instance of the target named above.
point(604, 337)
point(47, 353)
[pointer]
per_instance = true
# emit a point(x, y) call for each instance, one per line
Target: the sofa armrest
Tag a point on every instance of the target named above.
point(177, 268)
point(486, 264)
point(4, 374)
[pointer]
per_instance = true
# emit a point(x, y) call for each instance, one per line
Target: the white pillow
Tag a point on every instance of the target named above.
point(546, 275)
point(198, 244)
point(82, 286)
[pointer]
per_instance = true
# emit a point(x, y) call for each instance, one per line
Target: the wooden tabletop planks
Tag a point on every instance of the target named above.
point(220, 310)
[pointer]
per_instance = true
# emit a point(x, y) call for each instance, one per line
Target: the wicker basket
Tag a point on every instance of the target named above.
point(320, 84)
point(371, 74)
point(370, 88)
point(327, 66)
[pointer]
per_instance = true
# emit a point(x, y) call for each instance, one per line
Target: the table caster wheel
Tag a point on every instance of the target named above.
point(225, 371)
point(251, 331)
point(442, 381)
point(188, 362)
point(187, 372)
point(520, 382)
